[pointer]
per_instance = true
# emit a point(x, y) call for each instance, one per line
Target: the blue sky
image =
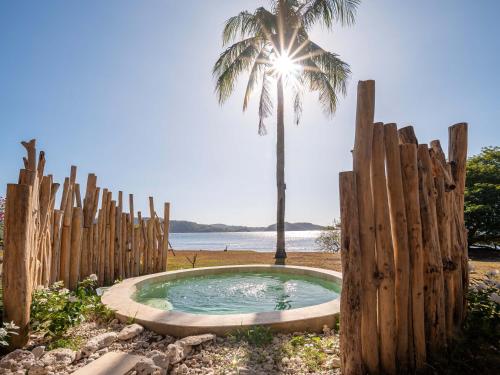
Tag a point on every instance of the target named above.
point(124, 89)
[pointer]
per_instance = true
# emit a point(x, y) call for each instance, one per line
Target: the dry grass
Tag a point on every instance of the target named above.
point(483, 261)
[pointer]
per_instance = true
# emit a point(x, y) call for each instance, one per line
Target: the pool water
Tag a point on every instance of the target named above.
point(237, 293)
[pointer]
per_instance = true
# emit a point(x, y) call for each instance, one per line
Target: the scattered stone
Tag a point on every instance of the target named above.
point(111, 363)
point(59, 357)
point(38, 352)
point(130, 332)
point(18, 360)
point(146, 366)
point(177, 353)
point(99, 342)
point(196, 340)
point(38, 368)
point(160, 359)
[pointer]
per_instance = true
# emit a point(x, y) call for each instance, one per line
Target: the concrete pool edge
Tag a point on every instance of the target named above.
point(179, 324)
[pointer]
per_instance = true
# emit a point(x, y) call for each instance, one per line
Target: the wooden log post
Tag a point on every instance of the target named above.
point(399, 227)
point(407, 135)
point(433, 266)
point(409, 169)
point(457, 156)
point(112, 241)
point(352, 291)
point(385, 254)
point(101, 220)
point(166, 233)
point(131, 250)
point(16, 278)
point(107, 241)
point(56, 246)
point(443, 211)
point(88, 219)
point(118, 238)
point(76, 247)
point(362, 154)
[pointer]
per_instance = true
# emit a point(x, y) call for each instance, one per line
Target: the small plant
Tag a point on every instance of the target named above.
point(309, 348)
point(193, 260)
point(329, 239)
point(258, 335)
point(55, 309)
point(6, 332)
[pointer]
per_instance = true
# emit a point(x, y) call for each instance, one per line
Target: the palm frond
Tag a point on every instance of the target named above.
point(297, 104)
point(255, 76)
point(245, 24)
point(327, 78)
point(232, 62)
point(265, 103)
point(329, 11)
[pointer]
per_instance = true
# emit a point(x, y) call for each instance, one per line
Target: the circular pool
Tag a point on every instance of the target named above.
point(222, 299)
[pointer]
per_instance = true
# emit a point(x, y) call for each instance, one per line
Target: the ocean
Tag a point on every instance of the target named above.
point(257, 241)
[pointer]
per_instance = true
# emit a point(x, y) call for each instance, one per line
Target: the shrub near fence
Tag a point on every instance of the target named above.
point(404, 245)
point(44, 244)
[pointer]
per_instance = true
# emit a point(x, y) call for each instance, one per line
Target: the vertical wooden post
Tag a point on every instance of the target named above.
point(76, 247)
point(56, 246)
point(112, 239)
point(457, 156)
point(352, 292)
point(400, 241)
point(131, 249)
point(362, 154)
point(166, 233)
point(409, 168)
point(118, 236)
point(433, 270)
point(385, 254)
point(16, 280)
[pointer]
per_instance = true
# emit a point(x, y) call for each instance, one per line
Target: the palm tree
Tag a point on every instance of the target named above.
point(274, 47)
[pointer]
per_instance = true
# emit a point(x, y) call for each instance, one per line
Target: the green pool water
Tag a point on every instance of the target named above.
point(237, 293)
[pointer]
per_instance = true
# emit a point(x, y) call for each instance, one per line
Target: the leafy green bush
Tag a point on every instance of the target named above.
point(6, 331)
point(55, 309)
point(257, 335)
point(483, 319)
point(309, 348)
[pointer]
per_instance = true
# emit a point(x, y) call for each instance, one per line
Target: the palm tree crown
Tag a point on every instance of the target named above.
point(275, 44)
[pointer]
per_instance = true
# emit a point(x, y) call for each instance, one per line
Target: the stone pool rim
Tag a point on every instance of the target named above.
point(179, 324)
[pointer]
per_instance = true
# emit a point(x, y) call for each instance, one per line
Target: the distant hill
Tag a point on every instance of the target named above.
point(181, 226)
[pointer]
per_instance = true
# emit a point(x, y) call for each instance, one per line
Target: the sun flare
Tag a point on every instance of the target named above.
point(284, 66)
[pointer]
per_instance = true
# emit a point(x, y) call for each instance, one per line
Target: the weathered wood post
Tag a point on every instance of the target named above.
point(76, 247)
point(457, 156)
point(435, 317)
point(409, 168)
point(166, 232)
point(362, 154)
point(385, 254)
point(16, 277)
point(352, 292)
point(399, 226)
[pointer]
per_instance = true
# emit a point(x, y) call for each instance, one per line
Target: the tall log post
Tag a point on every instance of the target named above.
point(352, 291)
point(409, 168)
point(131, 249)
point(362, 154)
point(166, 233)
point(118, 238)
point(433, 270)
point(457, 156)
point(16, 280)
point(385, 255)
point(107, 241)
point(76, 247)
point(56, 246)
point(399, 227)
point(112, 241)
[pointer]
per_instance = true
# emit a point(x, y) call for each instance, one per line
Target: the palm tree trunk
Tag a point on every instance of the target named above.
point(280, 177)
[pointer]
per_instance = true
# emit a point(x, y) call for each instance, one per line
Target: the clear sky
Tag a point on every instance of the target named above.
point(124, 89)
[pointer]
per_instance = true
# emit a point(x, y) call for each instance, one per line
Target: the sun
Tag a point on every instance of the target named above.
point(284, 66)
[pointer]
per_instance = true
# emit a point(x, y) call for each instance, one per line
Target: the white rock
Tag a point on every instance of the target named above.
point(38, 352)
point(196, 340)
point(177, 353)
point(17, 360)
point(59, 357)
point(146, 366)
point(99, 342)
point(38, 368)
point(160, 359)
point(130, 332)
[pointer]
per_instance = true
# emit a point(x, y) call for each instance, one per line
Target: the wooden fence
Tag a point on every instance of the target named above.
point(404, 245)
point(44, 244)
